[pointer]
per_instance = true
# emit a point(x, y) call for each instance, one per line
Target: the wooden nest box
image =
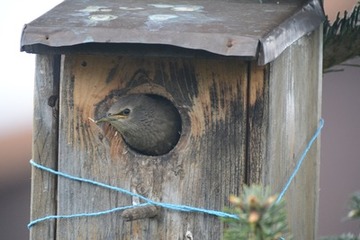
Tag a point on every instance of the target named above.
point(244, 76)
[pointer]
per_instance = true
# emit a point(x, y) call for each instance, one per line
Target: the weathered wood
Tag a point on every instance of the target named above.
point(242, 123)
point(258, 121)
point(132, 214)
point(292, 116)
point(206, 166)
point(45, 142)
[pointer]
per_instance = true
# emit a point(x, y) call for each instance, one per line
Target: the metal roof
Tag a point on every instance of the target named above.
point(246, 29)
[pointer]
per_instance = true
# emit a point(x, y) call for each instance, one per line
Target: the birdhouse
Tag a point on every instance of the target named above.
point(243, 80)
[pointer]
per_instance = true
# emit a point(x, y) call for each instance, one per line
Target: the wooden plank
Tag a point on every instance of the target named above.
point(206, 166)
point(294, 113)
point(258, 123)
point(45, 141)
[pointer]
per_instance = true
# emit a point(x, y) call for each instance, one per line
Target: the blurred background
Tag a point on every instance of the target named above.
point(340, 159)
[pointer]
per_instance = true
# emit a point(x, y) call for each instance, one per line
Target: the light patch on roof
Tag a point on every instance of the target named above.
point(102, 17)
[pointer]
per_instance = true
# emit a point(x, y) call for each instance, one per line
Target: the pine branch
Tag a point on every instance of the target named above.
point(347, 236)
point(260, 216)
point(354, 213)
point(354, 206)
point(342, 38)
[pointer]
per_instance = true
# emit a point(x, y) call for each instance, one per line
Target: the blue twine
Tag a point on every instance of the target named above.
point(301, 160)
point(177, 207)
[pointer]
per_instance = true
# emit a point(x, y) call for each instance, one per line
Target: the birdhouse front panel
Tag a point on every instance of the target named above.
point(205, 166)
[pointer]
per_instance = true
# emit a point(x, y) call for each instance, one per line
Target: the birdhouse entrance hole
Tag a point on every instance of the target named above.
point(149, 124)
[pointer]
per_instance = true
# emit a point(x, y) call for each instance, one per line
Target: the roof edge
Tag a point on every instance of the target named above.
point(227, 45)
point(305, 20)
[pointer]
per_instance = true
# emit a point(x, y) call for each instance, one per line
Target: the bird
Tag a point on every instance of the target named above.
point(149, 124)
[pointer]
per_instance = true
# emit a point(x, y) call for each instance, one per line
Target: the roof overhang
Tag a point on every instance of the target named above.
point(249, 30)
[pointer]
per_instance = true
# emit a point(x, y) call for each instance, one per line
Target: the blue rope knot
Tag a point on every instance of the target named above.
point(176, 207)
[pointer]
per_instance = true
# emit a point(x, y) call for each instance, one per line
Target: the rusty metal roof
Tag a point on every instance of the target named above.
point(225, 28)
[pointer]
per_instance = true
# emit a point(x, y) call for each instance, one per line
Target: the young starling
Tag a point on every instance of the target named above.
point(149, 124)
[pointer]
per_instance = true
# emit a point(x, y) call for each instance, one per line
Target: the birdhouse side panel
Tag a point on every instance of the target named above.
point(202, 170)
point(295, 80)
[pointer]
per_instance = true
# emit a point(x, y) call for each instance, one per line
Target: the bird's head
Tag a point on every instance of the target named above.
point(132, 114)
point(126, 112)
point(116, 113)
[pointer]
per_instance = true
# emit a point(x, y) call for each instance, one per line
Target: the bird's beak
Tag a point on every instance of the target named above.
point(104, 119)
point(110, 119)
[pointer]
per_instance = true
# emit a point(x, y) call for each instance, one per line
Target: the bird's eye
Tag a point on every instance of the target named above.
point(109, 114)
point(126, 111)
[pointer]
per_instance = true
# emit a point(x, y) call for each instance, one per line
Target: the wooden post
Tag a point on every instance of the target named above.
point(45, 143)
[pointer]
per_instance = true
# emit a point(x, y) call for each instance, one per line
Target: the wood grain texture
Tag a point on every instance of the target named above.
point(241, 123)
point(45, 142)
point(294, 112)
point(206, 166)
point(258, 124)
